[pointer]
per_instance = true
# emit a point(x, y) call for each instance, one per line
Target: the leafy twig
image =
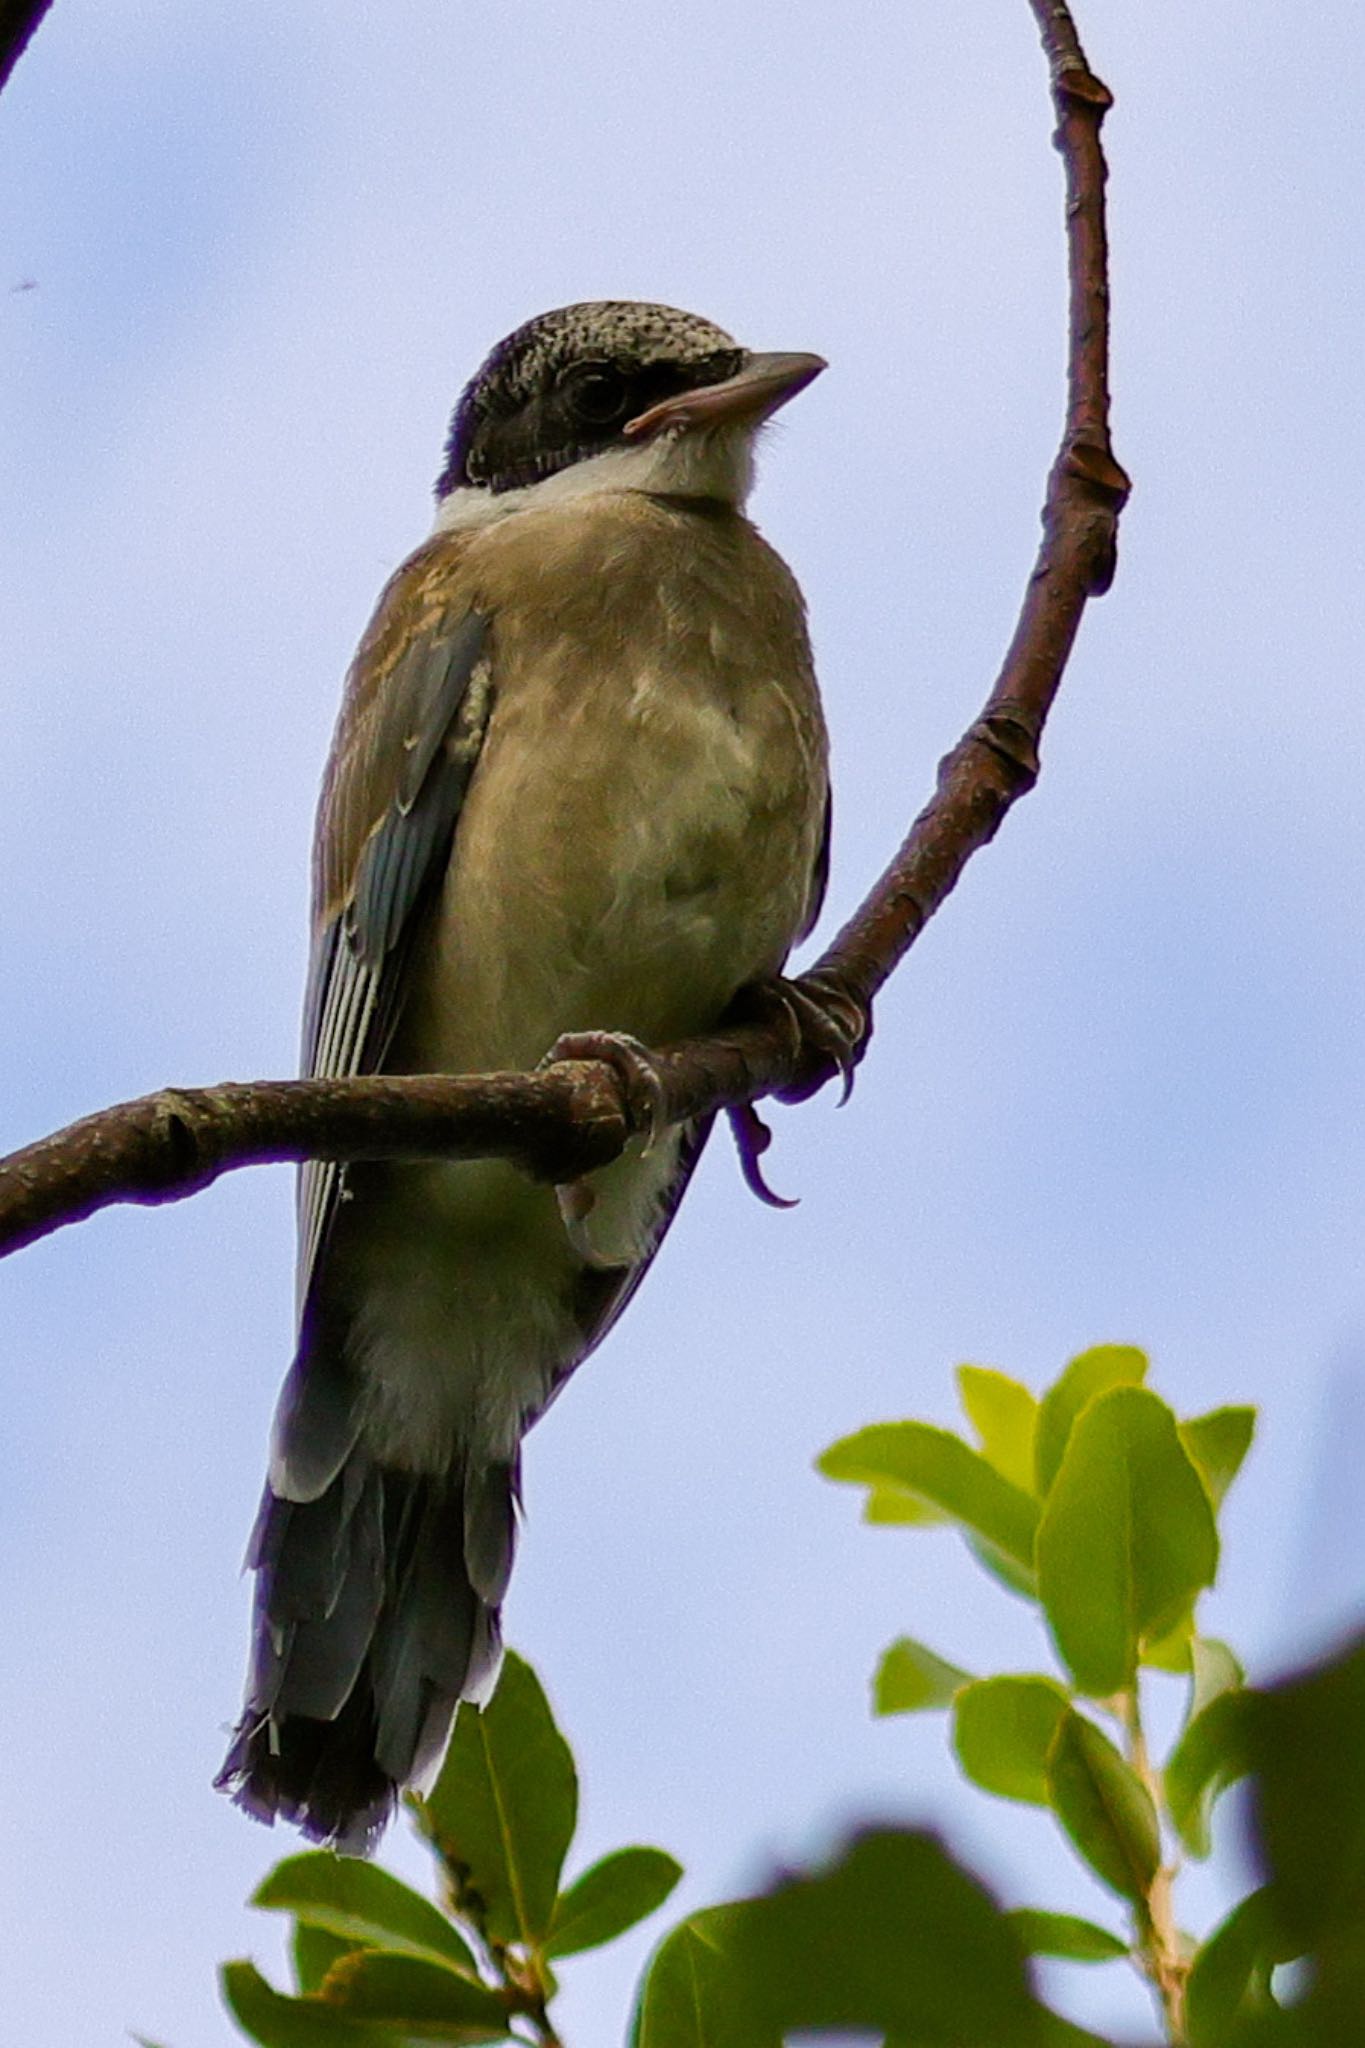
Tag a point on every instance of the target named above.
point(1159, 1942)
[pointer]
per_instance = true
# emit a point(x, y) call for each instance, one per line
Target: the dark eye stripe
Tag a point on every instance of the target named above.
point(505, 436)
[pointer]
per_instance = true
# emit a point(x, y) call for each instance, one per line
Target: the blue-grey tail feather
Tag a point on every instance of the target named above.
point(376, 1613)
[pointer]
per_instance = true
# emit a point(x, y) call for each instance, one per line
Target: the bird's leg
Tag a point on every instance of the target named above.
point(821, 1014)
point(817, 1012)
point(638, 1073)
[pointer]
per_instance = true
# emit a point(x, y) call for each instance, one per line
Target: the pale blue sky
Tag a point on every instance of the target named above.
point(1118, 1090)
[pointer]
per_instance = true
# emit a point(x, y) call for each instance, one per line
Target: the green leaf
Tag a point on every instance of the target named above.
point(1092, 1374)
point(1210, 1755)
point(1230, 1975)
point(505, 1805)
point(1004, 1414)
point(1063, 1934)
point(910, 1678)
point(1013, 1577)
point(1104, 1807)
point(609, 1897)
point(1126, 1540)
point(1003, 1730)
point(1217, 1443)
point(1214, 1668)
point(364, 1905)
point(424, 1999)
point(314, 1951)
point(1306, 1744)
point(877, 1940)
point(267, 2016)
point(692, 1996)
point(946, 1472)
point(1171, 1651)
point(897, 1507)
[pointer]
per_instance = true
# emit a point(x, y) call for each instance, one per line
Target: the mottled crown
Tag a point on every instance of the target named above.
point(563, 386)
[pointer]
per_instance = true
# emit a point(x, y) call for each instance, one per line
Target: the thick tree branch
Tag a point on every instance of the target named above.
point(573, 1116)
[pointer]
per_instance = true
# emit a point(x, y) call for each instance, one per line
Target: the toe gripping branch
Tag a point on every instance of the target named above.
point(830, 1030)
point(635, 1067)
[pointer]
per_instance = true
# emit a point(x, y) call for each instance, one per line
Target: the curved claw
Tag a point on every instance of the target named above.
point(821, 1013)
point(835, 1022)
point(752, 1139)
point(635, 1066)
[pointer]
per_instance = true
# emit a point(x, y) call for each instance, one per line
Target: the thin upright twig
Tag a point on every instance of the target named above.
point(1159, 1942)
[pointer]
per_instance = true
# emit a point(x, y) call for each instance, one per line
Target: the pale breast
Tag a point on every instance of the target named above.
point(642, 830)
point(639, 839)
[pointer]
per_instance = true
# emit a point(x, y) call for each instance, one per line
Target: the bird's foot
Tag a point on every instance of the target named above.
point(635, 1067)
point(820, 1014)
point(752, 1139)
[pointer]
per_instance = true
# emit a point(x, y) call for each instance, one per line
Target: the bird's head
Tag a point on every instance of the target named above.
point(612, 394)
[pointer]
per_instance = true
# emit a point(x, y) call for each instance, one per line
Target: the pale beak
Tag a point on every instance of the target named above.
point(765, 383)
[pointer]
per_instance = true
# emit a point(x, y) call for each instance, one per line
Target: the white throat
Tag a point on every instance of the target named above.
point(676, 464)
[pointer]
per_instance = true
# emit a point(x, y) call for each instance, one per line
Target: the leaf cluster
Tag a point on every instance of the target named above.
point(872, 1940)
point(376, 1965)
point(1098, 1505)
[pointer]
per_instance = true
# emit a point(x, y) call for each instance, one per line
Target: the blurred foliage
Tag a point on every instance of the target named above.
point(1099, 1505)
point(376, 1965)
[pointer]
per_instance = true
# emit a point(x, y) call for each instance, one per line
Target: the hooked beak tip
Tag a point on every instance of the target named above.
point(753, 394)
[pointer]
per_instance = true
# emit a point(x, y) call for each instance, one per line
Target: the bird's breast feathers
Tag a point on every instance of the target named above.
point(639, 837)
point(640, 833)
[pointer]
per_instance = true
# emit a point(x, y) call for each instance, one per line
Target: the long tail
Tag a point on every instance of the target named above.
point(376, 1613)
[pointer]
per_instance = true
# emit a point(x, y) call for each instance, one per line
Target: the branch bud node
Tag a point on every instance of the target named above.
point(1074, 86)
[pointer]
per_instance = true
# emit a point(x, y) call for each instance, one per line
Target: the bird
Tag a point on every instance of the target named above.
point(577, 800)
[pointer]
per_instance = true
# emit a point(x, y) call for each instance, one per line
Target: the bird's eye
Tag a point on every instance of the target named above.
point(597, 393)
